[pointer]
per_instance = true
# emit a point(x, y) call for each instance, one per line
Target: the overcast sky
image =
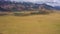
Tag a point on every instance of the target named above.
point(52, 2)
point(38, 0)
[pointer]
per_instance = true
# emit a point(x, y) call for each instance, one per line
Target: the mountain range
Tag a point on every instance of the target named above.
point(21, 6)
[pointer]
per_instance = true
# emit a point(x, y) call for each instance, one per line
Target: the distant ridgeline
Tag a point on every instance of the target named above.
point(21, 6)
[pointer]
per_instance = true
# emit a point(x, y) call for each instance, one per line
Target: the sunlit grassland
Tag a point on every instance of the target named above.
point(34, 24)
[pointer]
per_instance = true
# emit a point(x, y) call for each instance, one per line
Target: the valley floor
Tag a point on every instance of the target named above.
point(35, 24)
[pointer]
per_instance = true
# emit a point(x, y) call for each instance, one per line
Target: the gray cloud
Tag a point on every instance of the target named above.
point(50, 2)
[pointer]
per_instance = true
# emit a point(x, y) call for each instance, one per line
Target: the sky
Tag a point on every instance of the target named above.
point(50, 2)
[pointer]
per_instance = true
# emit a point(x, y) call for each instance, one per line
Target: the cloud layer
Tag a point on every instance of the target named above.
point(38, 0)
point(50, 2)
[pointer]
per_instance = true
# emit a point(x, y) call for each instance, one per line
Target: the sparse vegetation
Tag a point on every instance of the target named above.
point(35, 24)
point(27, 13)
point(18, 14)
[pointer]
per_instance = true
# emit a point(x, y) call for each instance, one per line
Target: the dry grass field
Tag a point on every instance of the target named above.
point(35, 24)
